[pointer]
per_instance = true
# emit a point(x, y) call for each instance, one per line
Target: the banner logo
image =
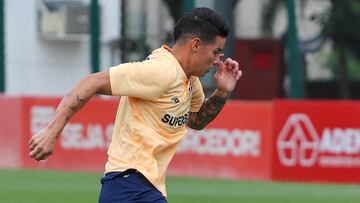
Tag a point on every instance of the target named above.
point(298, 142)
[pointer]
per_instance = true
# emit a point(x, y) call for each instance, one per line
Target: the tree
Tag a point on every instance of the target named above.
point(340, 23)
point(175, 7)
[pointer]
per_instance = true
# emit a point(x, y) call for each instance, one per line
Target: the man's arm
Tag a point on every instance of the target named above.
point(226, 76)
point(41, 145)
point(208, 111)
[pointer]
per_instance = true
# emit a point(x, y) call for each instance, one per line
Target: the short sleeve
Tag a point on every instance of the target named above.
point(146, 80)
point(198, 96)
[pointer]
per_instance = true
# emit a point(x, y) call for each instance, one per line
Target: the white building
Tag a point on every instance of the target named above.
point(37, 65)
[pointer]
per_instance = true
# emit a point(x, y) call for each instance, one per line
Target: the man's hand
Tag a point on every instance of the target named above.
point(42, 145)
point(227, 74)
point(226, 77)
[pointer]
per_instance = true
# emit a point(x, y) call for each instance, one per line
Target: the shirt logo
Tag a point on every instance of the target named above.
point(190, 87)
point(175, 120)
point(175, 100)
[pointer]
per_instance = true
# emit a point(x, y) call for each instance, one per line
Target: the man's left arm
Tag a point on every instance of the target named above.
point(225, 77)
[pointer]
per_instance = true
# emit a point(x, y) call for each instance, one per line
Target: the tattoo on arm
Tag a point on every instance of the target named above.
point(79, 102)
point(72, 102)
point(209, 110)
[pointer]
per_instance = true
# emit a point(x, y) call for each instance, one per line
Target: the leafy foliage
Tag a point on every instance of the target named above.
point(175, 7)
point(341, 23)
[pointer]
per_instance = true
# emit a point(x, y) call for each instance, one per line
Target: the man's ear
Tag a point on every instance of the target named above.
point(195, 44)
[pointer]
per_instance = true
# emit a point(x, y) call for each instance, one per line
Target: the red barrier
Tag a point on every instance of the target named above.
point(281, 140)
point(235, 145)
point(84, 141)
point(10, 132)
point(317, 141)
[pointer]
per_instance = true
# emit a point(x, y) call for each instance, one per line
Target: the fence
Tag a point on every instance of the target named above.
point(272, 140)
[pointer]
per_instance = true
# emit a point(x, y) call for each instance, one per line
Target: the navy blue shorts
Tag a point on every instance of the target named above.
point(128, 186)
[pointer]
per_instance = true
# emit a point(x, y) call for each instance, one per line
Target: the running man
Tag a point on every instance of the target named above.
point(159, 97)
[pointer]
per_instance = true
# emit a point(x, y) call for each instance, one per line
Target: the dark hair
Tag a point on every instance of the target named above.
point(203, 23)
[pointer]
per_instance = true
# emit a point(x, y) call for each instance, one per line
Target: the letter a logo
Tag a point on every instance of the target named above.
point(298, 142)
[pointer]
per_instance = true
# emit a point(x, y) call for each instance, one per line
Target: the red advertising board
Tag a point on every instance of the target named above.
point(10, 132)
point(235, 145)
point(83, 142)
point(280, 140)
point(317, 140)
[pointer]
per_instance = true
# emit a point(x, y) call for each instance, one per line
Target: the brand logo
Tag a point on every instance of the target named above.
point(298, 142)
point(175, 100)
point(190, 87)
point(175, 121)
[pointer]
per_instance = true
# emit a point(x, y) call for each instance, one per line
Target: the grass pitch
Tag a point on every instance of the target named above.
point(32, 186)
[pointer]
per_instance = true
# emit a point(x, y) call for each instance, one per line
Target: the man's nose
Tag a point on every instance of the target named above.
point(219, 57)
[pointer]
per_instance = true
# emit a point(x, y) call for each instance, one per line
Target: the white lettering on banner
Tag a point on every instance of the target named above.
point(339, 141)
point(40, 117)
point(337, 147)
point(75, 135)
point(339, 161)
point(221, 142)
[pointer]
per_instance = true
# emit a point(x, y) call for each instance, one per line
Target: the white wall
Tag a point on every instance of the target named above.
point(110, 32)
point(36, 66)
point(247, 19)
point(158, 23)
point(41, 67)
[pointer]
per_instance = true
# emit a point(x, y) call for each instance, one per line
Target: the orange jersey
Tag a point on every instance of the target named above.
point(156, 102)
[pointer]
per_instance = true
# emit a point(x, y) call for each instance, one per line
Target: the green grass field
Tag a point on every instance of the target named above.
point(30, 186)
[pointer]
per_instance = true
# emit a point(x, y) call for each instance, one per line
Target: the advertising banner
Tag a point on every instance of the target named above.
point(277, 140)
point(317, 141)
point(235, 145)
point(10, 132)
point(84, 141)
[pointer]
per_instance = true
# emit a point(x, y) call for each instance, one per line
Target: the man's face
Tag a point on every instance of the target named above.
point(207, 54)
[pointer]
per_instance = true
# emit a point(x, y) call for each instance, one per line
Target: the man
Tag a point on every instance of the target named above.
point(159, 96)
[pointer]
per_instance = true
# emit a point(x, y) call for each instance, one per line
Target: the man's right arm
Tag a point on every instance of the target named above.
point(41, 145)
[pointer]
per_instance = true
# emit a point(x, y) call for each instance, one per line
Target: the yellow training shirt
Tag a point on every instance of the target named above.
point(156, 102)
